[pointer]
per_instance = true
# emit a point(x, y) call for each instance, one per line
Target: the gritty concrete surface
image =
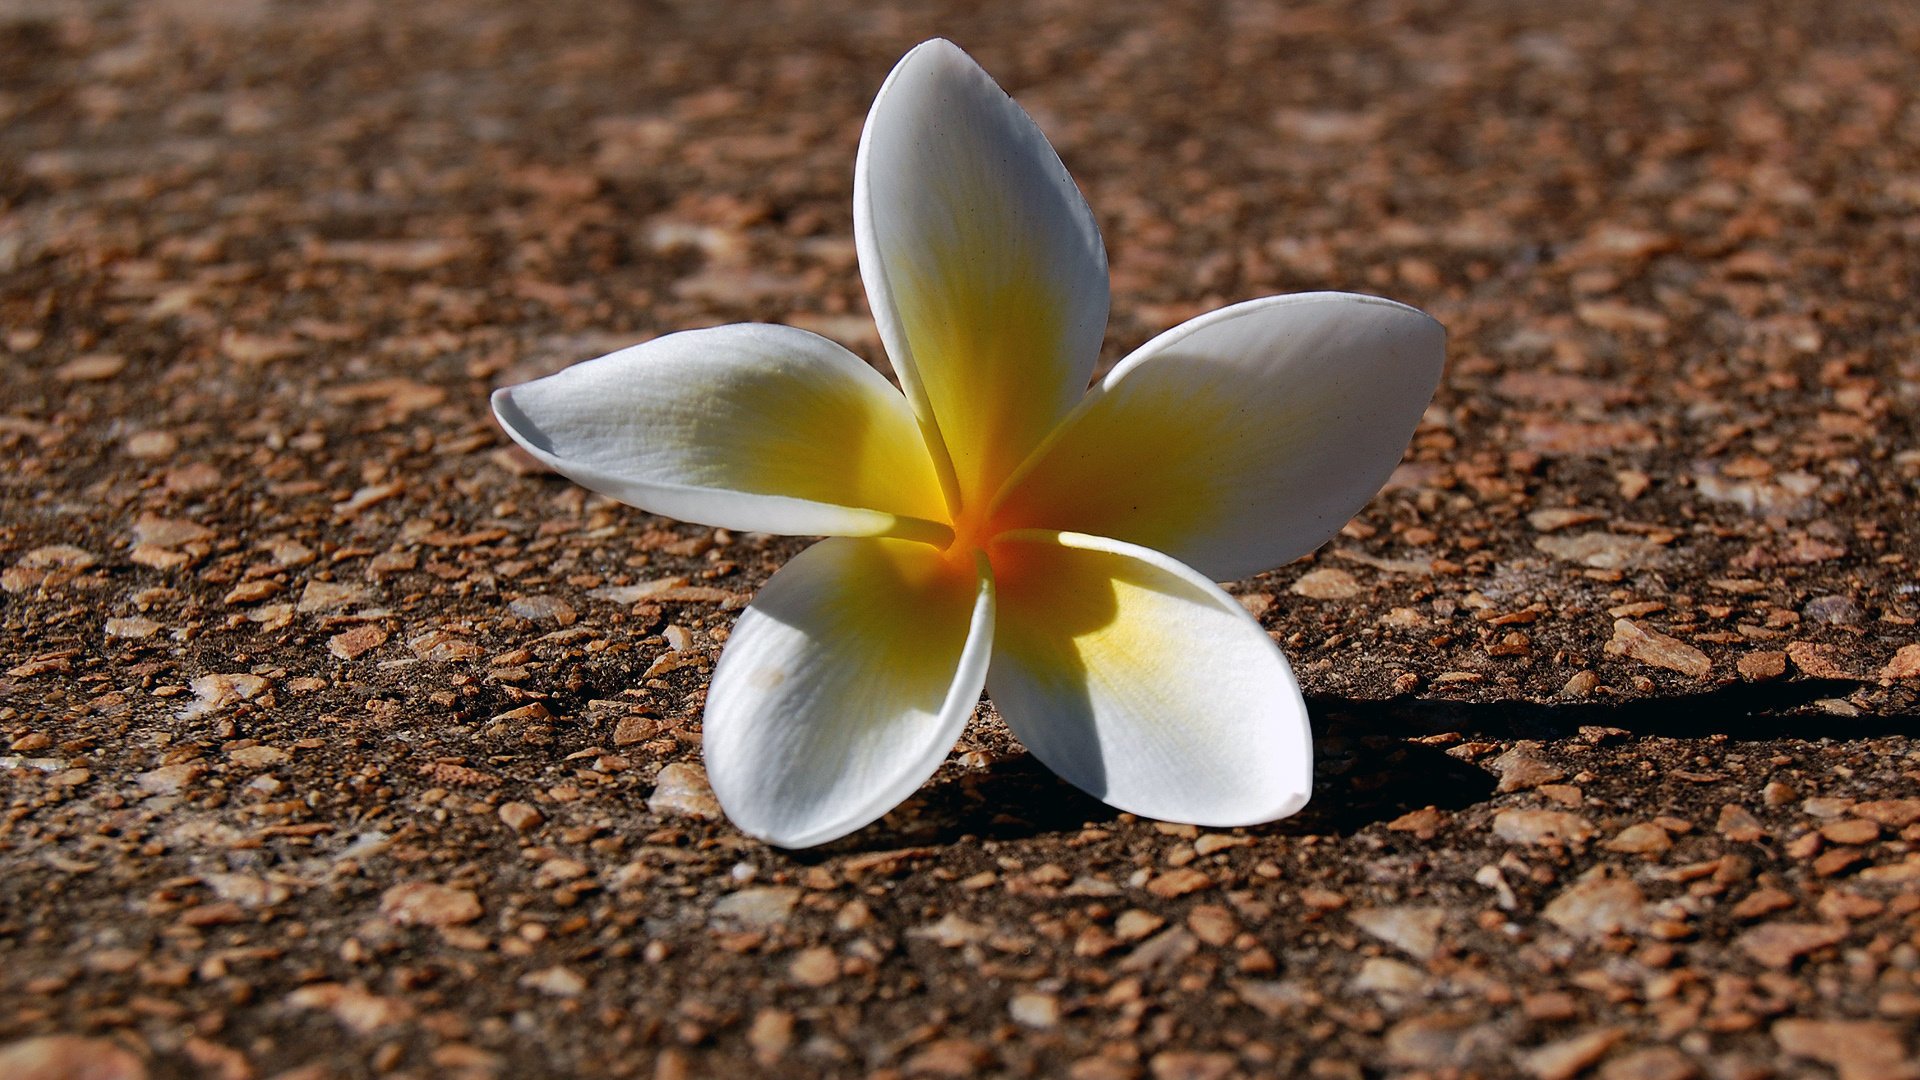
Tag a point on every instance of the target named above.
point(343, 742)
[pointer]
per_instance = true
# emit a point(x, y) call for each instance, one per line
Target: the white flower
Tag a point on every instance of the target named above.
point(995, 526)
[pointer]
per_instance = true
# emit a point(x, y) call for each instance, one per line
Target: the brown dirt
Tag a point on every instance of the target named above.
point(328, 757)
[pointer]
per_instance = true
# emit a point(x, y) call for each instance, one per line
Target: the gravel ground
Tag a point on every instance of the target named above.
point(343, 742)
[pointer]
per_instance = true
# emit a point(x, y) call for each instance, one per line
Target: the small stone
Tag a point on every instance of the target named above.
point(1385, 975)
point(1633, 640)
point(1192, 1065)
point(1601, 550)
point(557, 981)
point(1179, 882)
point(521, 817)
point(438, 646)
point(246, 890)
point(1542, 827)
point(1856, 1049)
point(1761, 666)
point(1904, 665)
point(957, 1058)
point(1423, 823)
point(93, 367)
point(151, 445)
point(1652, 1063)
point(1212, 924)
point(770, 1035)
point(215, 692)
point(69, 1057)
point(351, 644)
point(1522, 768)
point(1817, 661)
point(170, 779)
point(159, 532)
point(426, 903)
point(1833, 611)
point(544, 609)
point(1851, 831)
point(952, 931)
point(132, 629)
point(1569, 1057)
point(1600, 904)
point(1893, 813)
point(814, 967)
point(754, 909)
point(1556, 518)
point(1645, 838)
point(1738, 824)
point(1778, 945)
point(1581, 684)
point(1413, 930)
point(1761, 903)
point(1034, 1010)
point(329, 596)
point(252, 592)
point(1134, 924)
point(681, 790)
point(355, 1008)
point(1327, 583)
point(1440, 1041)
point(1164, 950)
point(259, 757)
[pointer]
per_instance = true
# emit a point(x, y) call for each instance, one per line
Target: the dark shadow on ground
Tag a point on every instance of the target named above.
point(1742, 712)
point(1367, 769)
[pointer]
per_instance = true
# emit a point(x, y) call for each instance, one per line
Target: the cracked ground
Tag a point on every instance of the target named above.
point(342, 741)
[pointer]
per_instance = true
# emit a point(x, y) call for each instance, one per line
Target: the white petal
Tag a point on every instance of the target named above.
point(1245, 438)
point(763, 428)
point(982, 262)
point(844, 685)
point(1140, 682)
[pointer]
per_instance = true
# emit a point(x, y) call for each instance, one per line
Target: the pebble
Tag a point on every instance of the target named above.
point(1601, 550)
point(259, 757)
point(352, 644)
point(1652, 1063)
point(132, 629)
point(1413, 930)
point(1571, 1056)
point(162, 532)
point(1521, 768)
point(353, 1007)
point(1327, 583)
point(1542, 827)
point(770, 1035)
point(426, 903)
point(557, 981)
point(1441, 1040)
point(438, 646)
point(1633, 640)
point(1034, 1010)
point(815, 967)
point(1645, 838)
point(681, 790)
point(548, 609)
point(1179, 882)
point(69, 1057)
point(215, 692)
point(1778, 945)
point(1856, 1049)
point(521, 817)
point(1601, 903)
point(754, 909)
point(1904, 665)
point(1192, 1065)
point(1762, 665)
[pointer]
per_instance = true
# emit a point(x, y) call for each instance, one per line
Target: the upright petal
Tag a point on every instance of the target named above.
point(982, 262)
point(766, 428)
point(1140, 682)
point(1243, 439)
point(844, 686)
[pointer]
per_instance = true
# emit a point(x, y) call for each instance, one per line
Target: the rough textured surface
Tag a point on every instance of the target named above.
point(334, 730)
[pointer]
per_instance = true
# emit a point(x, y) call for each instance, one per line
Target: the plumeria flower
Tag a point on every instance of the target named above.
point(997, 524)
